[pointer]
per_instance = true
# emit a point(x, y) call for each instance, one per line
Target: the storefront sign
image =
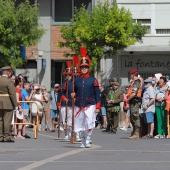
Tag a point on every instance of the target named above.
point(149, 62)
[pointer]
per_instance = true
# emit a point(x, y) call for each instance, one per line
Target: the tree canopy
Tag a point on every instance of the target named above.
point(106, 29)
point(19, 26)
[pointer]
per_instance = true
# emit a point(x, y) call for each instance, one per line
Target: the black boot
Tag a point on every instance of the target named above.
point(107, 129)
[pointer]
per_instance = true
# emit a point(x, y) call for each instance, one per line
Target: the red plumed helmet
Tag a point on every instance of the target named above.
point(85, 60)
point(76, 65)
point(68, 70)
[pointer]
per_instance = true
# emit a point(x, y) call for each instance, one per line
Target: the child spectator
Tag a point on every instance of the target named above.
point(25, 106)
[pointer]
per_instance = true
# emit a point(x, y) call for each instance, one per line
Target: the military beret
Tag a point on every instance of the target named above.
point(6, 68)
point(112, 79)
point(116, 83)
point(133, 71)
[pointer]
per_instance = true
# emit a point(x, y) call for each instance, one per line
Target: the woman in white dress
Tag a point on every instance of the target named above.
point(37, 96)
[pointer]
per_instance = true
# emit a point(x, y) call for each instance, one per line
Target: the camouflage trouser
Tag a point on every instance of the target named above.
point(134, 118)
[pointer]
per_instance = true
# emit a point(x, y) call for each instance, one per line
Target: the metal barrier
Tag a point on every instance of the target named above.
point(37, 119)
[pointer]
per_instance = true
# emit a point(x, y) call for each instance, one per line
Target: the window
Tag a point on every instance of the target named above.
point(162, 31)
point(64, 9)
point(32, 2)
point(146, 22)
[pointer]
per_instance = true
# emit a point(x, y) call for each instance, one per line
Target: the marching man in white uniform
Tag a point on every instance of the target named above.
point(87, 101)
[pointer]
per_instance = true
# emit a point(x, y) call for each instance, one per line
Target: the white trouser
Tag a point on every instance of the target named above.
point(69, 115)
point(85, 119)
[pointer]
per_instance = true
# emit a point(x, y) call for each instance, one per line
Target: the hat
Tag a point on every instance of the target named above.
point(43, 87)
point(148, 80)
point(6, 68)
point(68, 69)
point(116, 83)
point(36, 87)
point(56, 85)
point(85, 60)
point(133, 71)
point(112, 79)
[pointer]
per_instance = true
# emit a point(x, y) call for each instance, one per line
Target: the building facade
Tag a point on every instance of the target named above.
point(46, 61)
point(152, 54)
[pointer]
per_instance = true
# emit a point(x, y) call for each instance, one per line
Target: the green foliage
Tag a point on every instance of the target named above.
point(19, 25)
point(107, 29)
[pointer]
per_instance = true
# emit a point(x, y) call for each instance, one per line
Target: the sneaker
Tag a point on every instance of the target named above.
point(88, 145)
point(158, 136)
point(61, 128)
point(82, 145)
point(66, 137)
point(78, 140)
point(26, 136)
point(123, 128)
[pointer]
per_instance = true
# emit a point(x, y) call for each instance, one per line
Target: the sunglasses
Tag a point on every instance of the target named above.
point(84, 67)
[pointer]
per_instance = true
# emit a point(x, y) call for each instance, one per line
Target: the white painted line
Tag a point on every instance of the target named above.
point(112, 162)
point(55, 138)
point(90, 161)
point(57, 157)
point(45, 135)
point(143, 151)
point(16, 161)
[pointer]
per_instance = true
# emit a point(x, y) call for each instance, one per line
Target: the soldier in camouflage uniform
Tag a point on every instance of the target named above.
point(134, 102)
point(113, 99)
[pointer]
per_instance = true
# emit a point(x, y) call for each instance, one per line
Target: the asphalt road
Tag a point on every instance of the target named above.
point(108, 152)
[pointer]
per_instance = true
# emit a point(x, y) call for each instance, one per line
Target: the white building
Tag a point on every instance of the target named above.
point(149, 56)
point(153, 53)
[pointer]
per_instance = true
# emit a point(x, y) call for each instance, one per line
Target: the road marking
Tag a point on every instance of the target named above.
point(44, 135)
point(143, 151)
point(54, 137)
point(16, 161)
point(30, 149)
point(112, 162)
point(54, 158)
point(86, 162)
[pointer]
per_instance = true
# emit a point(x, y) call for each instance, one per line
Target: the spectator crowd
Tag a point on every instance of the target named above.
point(146, 106)
point(29, 96)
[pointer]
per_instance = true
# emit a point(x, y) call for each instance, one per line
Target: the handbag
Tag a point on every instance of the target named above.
point(19, 115)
